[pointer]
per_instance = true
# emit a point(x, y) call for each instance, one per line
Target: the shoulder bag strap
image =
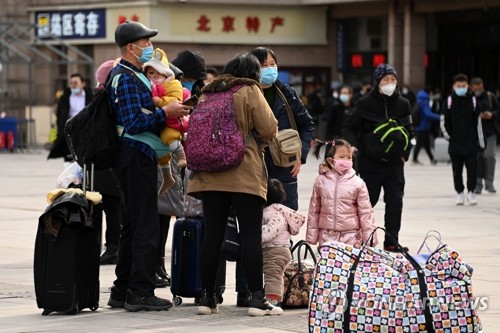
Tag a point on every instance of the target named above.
point(489, 100)
point(287, 107)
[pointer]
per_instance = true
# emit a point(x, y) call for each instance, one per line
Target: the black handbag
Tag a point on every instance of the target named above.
point(231, 245)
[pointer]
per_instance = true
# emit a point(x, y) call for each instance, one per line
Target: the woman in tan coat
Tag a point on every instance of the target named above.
point(243, 187)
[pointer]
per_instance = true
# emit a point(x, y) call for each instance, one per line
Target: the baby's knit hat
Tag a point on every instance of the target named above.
point(383, 70)
point(160, 63)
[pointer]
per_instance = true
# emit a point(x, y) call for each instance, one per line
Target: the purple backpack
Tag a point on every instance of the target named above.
point(214, 142)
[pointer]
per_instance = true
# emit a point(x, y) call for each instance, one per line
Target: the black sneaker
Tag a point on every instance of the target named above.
point(137, 303)
point(208, 304)
point(259, 306)
point(117, 298)
point(491, 189)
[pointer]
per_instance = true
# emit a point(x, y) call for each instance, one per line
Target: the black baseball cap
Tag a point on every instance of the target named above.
point(131, 31)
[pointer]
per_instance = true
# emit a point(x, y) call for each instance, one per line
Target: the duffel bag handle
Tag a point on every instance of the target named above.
point(308, 249)
point(398, 248)
point(431, 234)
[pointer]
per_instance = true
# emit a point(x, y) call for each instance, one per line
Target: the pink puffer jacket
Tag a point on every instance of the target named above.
point(278, 223)
point(339, 209)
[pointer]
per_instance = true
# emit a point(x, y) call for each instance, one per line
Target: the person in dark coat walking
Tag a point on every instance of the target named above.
point(423, 129)
point(489, 108)
point(73, 100)
point(460, 126)
point(380, 104)
point(338, 112)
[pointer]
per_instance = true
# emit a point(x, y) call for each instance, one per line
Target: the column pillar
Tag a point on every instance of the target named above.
point(414, 48)
point(395, 37)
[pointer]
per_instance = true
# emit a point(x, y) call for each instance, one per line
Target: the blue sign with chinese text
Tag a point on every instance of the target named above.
point(71, 24)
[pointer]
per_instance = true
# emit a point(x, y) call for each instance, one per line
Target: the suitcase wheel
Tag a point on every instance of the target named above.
point(220, 299)
point(177, 300)
point(95, 307)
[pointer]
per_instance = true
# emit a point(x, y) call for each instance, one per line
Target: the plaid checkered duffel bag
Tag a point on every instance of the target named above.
point(371, 290)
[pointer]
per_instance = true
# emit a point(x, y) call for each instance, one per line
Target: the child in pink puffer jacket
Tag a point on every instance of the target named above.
point(278, 223)
point(340, 208)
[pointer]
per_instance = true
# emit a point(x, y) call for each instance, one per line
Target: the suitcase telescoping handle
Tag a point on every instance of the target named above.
point(90, 220)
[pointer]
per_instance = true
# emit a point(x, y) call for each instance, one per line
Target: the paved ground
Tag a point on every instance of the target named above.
point(25, 178)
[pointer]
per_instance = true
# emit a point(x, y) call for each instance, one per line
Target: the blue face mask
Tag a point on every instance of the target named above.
point(268, 75)
point(461, 91)
point(76, 91)
point(188, 85)
point(147, 53)
point(344, 98)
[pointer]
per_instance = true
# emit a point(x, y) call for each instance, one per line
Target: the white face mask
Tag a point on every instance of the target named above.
point(388, 89)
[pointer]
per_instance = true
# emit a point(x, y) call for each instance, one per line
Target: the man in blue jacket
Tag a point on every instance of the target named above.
point(423, 129)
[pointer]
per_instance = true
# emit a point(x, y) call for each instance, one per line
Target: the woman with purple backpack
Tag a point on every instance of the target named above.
point(243, 187)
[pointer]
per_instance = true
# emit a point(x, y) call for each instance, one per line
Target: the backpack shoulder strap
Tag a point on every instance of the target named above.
point(113, 81)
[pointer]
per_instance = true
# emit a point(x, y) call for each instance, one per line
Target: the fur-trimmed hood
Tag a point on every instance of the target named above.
point(227, 81)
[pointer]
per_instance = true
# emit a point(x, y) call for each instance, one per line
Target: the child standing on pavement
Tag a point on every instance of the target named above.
point(340, 208)
point(278, 223)
point(165, 89)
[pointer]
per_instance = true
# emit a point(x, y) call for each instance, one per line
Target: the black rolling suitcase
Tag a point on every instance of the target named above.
point(185, 268)
point(67, 250)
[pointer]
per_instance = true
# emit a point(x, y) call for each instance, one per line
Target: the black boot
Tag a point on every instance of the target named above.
point(259, 306)
point(208, 303)
point(161, 271)
point(243, 299)
point(110, 256)
point(161, 282)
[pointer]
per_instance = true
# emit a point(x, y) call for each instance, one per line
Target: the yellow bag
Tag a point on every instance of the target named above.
point(286, 148)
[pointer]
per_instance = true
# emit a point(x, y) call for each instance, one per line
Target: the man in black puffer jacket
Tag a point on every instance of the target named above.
point(459, 123)
point(378, 169)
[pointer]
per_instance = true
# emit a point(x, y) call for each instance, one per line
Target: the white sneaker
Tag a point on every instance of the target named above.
point(460, 199)
point(471, 198)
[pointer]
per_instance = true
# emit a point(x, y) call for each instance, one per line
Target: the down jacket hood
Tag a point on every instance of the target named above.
point(227, 81)
point(279, 222)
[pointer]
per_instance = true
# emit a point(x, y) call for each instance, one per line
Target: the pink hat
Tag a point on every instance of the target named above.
point(103, 71)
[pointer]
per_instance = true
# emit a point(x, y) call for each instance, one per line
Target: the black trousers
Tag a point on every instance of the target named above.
point(392, 180)
point(111, 207)
point(423, 141)
point(249, 209)
point(457, 165)
point(164, 227)
point(138, 253)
